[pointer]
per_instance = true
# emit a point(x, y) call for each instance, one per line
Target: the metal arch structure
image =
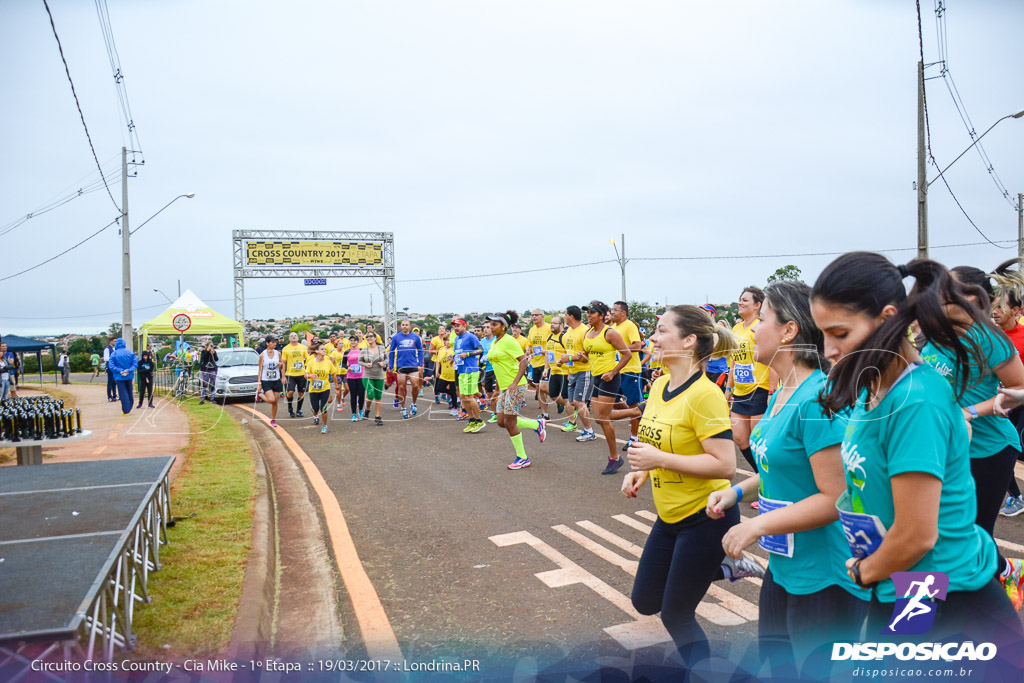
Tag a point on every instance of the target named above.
point(385, 270)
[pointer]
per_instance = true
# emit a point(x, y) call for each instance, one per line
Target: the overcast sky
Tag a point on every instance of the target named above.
point(493, 137)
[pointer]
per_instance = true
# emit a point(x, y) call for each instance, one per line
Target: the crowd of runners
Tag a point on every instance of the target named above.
point(882, 428)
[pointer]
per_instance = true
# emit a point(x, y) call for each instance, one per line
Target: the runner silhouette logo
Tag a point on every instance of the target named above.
point(914, 613)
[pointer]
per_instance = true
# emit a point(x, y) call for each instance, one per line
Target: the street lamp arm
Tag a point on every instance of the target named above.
point(1008, 116)
point(189, 195)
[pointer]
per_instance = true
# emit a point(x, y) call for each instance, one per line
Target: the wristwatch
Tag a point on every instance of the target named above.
point(855, 570)
point(973, 410)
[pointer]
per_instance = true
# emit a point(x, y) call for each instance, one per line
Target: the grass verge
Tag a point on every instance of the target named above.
point(196, 594)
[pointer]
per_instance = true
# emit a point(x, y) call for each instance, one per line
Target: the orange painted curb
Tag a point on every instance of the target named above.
point(374, 624)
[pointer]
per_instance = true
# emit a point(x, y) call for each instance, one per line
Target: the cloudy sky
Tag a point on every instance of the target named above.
point(493, 137)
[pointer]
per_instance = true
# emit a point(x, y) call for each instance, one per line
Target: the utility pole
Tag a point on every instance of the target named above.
point(922, 178)
point(126, 265)
point(1020, 226)
point(623, 264)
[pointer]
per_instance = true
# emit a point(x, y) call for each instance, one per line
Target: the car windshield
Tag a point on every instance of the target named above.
point(236, 357)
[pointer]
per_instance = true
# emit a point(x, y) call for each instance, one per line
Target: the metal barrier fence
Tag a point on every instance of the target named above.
point(178, 379)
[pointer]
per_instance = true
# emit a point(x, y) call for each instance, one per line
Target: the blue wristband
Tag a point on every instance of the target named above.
point(739, 493)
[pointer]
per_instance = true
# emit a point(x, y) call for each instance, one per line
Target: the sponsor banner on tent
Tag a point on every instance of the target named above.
point(282, 253)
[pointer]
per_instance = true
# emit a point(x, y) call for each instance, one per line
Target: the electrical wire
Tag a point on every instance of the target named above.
point(83, 190)
point(103, 13)
point(54, 258)
point(67, 71)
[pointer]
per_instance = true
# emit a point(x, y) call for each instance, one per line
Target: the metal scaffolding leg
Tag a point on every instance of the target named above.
point(390, 298)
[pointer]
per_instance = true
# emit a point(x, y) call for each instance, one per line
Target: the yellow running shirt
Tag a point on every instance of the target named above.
point(556, 346)
point(294, 356)
point(444, 362)
point(747, 374)
point(363, 344)
point(631, 335)
point(337, 356)
point(677, 423)
point(323, 369)
point(536, 340)
point(654, 362)
point(602, 355)
point(436, 344)
point(574, 345)
point(523, 343)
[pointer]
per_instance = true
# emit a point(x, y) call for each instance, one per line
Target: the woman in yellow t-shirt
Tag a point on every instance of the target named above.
point(686, 450)
point(319, 370)
point(747, 389)
point(607, 353)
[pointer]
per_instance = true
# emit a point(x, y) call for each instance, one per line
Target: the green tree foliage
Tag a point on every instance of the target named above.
point(299, 328)
point(644, 315)
point(785, 273)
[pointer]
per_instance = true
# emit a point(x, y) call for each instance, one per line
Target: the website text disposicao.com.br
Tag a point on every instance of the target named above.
point(896, 671)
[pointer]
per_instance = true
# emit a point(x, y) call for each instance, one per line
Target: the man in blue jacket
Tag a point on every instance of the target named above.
point(405, 357)
point(122, 366)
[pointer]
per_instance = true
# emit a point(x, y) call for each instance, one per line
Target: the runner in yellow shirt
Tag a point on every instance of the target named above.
point(436, 344)
point(536, 338)
point(608, 354)
point(336, 352)
point(319, 370)
point(294, 356)
point(581, 384)
point(558, 371)
point(748, 380)
point(629, 386)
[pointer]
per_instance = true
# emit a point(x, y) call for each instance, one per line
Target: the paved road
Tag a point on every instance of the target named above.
point(472, 560)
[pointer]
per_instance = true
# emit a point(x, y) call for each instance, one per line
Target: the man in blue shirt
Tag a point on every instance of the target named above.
point(405, 357)
point(487, 381)
point(468, 351)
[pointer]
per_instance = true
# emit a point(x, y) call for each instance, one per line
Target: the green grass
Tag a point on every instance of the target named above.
point(196, 594)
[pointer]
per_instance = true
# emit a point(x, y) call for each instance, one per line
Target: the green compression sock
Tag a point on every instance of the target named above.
point(527, 423)
point(517, 443)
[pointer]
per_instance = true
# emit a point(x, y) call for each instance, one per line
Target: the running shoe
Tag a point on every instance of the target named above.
point(396, 402)
point(413, 410)
point(323, 430)
point(201, 402)
point(587, 436)
point(299, 412)
point(152, 406)
point(316, 420)
point(493, 418)
point(291, 413)
point(366, 414)
point(561, 409)
point(480, 424)
point(1012, 583)
point(755, 506)
point(437, 399)
point(543, 416)
point(379, 422)
point(613, 466)
point(519, 463)
point(463, 415)
point(1014, 506)
point(469, 427)
point(742, 568)
point(273, 423)
point(405, 414)
point(338, 408)
point(483, 405)
point(542, 431)
point(454, 412)
point(569, 427)
point(355, 418)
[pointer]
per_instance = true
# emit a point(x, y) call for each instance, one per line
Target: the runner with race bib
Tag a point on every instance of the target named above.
point(270, 376)
point(319, 370)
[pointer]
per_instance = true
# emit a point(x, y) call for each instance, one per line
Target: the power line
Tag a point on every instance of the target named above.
point(54, 258)
point(83, 190)
point(103, 13)
point(79, 105)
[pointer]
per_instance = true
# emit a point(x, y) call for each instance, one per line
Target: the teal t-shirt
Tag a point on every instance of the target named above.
point(990, 433)
point(783, 445)
point(918, 427)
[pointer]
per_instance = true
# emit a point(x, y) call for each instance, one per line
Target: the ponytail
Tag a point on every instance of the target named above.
point(866, 283)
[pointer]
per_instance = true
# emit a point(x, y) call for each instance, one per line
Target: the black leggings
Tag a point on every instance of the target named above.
point(678, 564)
point(145, 385)
point(318, 401)
point(802, 628)
point(992, 476)
point(357, 394)
point(1017, 418)
point(449, 389)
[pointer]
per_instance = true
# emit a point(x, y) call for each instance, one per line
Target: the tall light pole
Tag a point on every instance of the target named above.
point(164, 296)
point(126, 268)
point(622, 262)
point(923, 185)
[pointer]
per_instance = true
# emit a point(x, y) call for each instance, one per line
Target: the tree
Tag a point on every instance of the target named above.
point(114, 330)
point(644, 315)
point(785, 273)
point(299, 328)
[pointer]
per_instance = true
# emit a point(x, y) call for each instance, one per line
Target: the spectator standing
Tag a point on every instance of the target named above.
point(207, 372)
point(122, 365)
point(94, 360)
point(64, 364)
point(146, 368)
point(6, 369)
point(111, 386)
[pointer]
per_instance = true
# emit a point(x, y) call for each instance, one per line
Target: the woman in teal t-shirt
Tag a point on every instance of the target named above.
point(807, 600)
point(909, 501)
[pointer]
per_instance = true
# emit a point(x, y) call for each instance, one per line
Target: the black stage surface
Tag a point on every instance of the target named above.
point(64, 527)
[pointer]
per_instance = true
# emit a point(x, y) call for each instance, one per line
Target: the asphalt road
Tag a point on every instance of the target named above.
point(473, 560)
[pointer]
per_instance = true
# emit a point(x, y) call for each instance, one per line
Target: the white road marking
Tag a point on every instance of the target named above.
point(626, 565)
point(617, 541)
point(647, 514)
point(629, 521)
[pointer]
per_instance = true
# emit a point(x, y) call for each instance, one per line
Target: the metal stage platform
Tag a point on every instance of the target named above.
point(77, 543)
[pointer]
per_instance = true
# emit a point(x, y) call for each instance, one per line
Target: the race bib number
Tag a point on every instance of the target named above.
point(355, 369)
point(864, 532)
point(273, 375)
point(537, 351)
point(551, 356)
point(743, 374)
point(318, 385)
point(297, 365)
point(780, 544)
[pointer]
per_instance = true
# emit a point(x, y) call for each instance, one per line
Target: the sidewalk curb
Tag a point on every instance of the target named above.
point(253, 633)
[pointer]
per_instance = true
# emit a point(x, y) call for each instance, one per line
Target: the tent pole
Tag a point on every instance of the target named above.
point(39, 364)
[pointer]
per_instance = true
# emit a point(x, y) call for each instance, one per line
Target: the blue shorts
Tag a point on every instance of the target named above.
point(630, 388)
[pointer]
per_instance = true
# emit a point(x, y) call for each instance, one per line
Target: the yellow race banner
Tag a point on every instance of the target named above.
point(314, 253)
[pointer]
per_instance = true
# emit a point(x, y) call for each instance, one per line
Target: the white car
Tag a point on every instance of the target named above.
point(237, 373)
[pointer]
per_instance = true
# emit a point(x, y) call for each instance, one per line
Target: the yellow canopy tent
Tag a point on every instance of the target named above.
point(189, 315)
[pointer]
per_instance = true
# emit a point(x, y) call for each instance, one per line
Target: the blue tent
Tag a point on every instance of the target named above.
point(25, 344)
